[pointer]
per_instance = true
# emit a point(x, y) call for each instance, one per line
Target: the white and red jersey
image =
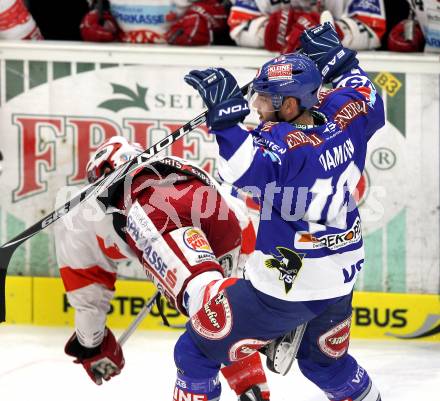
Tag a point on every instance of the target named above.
point(362, 22)
point(428, 15)
point(16, 22)
point(91, 242)
point(146, 21)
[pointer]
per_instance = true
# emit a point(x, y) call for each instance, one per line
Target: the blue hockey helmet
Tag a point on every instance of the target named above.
point(292, 74)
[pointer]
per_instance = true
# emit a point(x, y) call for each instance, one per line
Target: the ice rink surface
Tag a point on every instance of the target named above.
point(33, 366)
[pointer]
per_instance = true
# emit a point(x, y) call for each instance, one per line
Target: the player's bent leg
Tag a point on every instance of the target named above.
point(323, 356)
point(342, 380)
point(197, 376)
point(239, 319)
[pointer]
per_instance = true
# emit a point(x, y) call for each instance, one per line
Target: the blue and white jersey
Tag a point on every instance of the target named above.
point(309, 242)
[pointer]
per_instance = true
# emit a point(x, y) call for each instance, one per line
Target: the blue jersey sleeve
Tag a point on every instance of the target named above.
point(355, 86)
point(255, 160)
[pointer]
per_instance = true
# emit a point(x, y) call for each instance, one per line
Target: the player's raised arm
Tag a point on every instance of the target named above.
point(285, 87)
point(340, 67)
point(227, 109)
point(321, 43)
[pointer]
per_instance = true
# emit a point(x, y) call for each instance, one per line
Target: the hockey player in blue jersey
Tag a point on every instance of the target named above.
point(302, 164)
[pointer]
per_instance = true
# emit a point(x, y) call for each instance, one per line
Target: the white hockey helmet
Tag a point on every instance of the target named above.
point(110, 155)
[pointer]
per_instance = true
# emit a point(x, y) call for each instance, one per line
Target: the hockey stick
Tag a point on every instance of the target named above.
point(92, 190)
point(146, 309)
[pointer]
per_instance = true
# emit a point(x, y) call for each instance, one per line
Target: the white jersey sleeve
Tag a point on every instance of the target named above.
point(87, 250)
point(247, 22)
point(248, 225)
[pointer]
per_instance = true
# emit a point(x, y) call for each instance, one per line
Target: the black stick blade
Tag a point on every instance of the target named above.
point(5, 257)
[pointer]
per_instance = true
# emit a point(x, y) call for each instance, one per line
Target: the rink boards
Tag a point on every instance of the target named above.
point(42, 301)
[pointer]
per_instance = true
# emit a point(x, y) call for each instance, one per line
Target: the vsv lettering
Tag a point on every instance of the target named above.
point(359, 375)
point(357, 267)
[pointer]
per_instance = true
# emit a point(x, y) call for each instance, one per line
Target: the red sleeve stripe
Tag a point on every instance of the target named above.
point(74, 279)
point(239, 16)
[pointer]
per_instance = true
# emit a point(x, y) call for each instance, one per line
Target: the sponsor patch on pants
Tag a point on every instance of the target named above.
point(243, 348)
point(334, 343)
point(214, 319)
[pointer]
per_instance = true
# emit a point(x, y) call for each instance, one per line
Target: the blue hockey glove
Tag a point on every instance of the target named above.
point(323, 46)
point(221, 95)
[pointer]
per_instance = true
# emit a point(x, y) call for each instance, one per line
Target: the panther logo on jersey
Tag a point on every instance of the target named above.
point(289, 265)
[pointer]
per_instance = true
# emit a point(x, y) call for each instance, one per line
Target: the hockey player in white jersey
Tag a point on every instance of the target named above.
point(204, 242)
point(277, 25)
point(428, 15)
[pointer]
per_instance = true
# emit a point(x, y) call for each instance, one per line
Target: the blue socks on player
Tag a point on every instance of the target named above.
point(332, 379)
point(197, 376)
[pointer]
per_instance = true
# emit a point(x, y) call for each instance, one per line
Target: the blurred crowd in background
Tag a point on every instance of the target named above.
point(395, 25)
